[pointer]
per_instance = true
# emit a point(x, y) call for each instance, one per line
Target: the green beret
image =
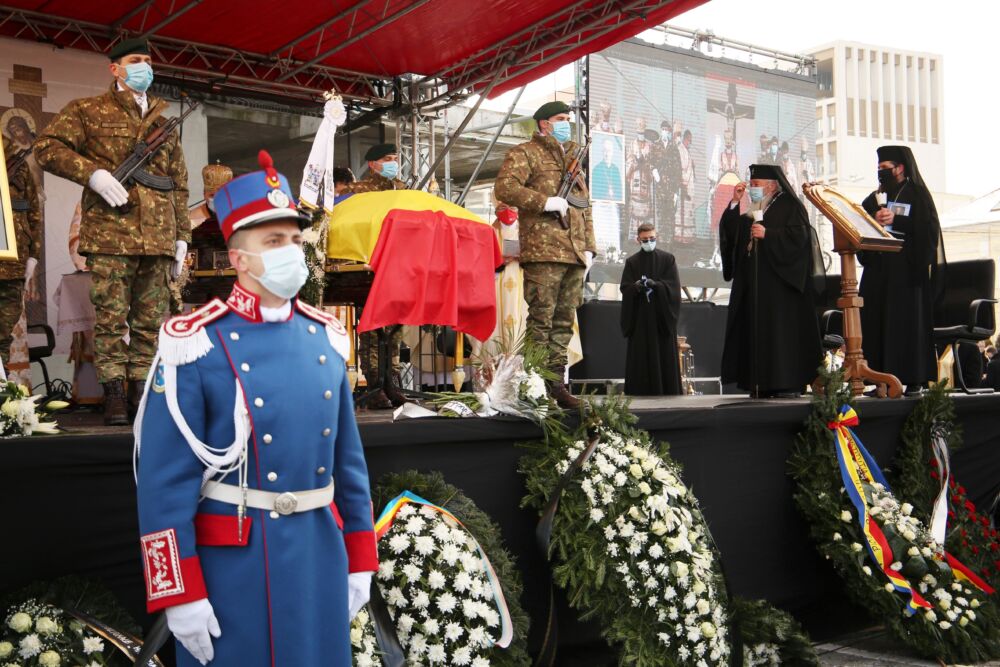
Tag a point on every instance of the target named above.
point(379, 151)
point(550, 109)
point(128, 47)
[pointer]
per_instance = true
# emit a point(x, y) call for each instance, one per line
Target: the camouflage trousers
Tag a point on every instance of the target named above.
point(130, 295)
point(11, 306)
point(553, 291)
point(369, 353)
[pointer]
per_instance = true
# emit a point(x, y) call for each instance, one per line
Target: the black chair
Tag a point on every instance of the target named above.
point(831, 318)
point(965, 313)
point(39, 353)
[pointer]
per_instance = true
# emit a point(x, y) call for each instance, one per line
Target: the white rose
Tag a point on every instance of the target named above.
point(845, 516)
point(6, 648)
point(974, 603)
point(20, 622)
point(906, 508)
point(699, 587)
point(855, 547)
point(703, 607)
point(944, 604)
point(679, 569)
point(913, 551)
point(707, 630)
point(963, 621)
point(889, 588)
point(645, 488)
point(837, 537)
point(930, 615)
point(635, 470)
point(867, 570)
point(46, 625)
point(658, 528)
point(909, 535)
point(661, 475)
point(49, 659)
point(634, 512)
point(944, 625)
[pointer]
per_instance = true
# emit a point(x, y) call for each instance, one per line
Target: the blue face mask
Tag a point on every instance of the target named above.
point(390, 170)
point(756, 194)
point(139, 77)
point(560, 130)
point(648, 245)
point(285, 270)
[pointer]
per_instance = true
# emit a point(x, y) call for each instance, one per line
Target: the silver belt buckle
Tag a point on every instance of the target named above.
point(285, 503)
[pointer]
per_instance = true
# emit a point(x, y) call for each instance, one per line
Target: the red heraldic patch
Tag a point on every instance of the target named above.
point(162, 563)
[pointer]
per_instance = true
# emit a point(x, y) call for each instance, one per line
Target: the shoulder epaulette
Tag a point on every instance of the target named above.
point(335, 331)
point(183, 338)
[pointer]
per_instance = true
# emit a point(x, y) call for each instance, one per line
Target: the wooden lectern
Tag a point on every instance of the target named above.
point(854, 230)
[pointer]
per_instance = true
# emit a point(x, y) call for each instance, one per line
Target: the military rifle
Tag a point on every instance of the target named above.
point(569, 179)
point(132, 169)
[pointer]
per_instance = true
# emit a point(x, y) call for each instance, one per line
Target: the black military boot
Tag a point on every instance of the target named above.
point(115, 407)
point(134, 396)
point(393, 393)
point(560, 392)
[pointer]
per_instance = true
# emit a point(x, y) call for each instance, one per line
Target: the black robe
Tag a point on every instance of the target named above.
point(652, 367)
point(897, 319)
point(789, 351)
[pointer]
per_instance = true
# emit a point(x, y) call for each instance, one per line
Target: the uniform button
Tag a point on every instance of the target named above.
point(272, 477)
point(312, 329)
point(274, 515)
point(326, 431)
point(320, 470)
point(234, 336)
point(267, 438)
point(245, 367)
point(259, 402)
point(327, 394)
point(322, 358)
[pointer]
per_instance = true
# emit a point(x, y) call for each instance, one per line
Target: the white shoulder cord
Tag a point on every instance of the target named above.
point(217, 460)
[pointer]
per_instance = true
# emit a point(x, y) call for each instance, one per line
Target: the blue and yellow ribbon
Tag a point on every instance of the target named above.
point(388, 516)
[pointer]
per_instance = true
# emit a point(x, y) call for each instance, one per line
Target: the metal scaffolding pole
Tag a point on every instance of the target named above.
point(489, 149)
point(461, 128)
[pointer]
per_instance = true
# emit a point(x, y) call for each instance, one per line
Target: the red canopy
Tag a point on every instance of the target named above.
point(305, 47)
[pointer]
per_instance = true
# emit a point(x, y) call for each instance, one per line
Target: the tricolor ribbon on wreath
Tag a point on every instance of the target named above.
point(858, 468)
point(388, 516)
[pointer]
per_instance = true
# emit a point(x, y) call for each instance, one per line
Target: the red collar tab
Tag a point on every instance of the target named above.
point(244, 303)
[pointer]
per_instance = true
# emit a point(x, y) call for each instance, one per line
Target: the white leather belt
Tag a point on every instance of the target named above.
point(288, 502)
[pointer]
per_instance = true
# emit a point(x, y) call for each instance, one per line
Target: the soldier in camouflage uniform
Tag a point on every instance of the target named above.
point(15, 275)
point(383, 172)
point(133, 239)
point(555, 260)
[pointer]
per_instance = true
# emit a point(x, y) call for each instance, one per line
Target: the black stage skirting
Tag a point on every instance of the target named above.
point(69, 501)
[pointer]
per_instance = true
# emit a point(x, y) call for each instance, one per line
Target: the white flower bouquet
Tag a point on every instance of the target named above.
point(439, 592)
point(20, 414)
point(632, 548)
point(37, 633)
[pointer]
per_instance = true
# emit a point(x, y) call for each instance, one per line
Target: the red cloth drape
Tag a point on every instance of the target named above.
point(433, 269)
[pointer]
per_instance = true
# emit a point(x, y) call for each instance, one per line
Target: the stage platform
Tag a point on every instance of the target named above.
point(70, 499)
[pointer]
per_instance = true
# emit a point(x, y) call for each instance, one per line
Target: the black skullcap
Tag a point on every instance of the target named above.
point(379, 151)
point(767, 172)
point(550, 109)
point(892, 154)
point(127, 47)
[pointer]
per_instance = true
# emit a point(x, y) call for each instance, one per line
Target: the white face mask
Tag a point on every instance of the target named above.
point(285, 270)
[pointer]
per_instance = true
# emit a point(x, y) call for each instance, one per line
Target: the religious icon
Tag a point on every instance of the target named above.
point(8, 247)
point(850, 219)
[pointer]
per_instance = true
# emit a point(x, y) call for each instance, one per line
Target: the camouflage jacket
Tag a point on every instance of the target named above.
point(372, 182)
point(99, 133)
point(27, 224)
point(531, 174)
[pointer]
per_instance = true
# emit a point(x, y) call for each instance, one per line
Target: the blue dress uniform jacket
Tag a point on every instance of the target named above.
point(279, 585)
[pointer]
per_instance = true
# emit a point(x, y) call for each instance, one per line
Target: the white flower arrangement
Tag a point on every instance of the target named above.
point(437, 592)
point(37, 633)
point(511, 385)
point(20, 414)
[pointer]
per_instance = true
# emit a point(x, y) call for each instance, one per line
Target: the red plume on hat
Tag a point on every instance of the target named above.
point(267, 164)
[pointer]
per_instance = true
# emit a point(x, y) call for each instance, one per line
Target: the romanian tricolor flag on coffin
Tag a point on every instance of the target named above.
point(434, 261)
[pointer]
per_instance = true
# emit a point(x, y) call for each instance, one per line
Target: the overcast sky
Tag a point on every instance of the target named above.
point(961, 31)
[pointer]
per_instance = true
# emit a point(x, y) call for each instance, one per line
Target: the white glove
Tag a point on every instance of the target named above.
point(335, 112)
point(359, 587)
point(656, 175)
point(192, 623)
point(106, 185)
point(180, 254)
point(29, 271)
point(556, 205)
point(588, 262)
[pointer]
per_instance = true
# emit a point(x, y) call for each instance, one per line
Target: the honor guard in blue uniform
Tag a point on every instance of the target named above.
point(254, 505)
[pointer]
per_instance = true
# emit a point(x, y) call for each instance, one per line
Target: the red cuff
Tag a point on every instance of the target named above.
point(362, 556)
point(170, 580)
